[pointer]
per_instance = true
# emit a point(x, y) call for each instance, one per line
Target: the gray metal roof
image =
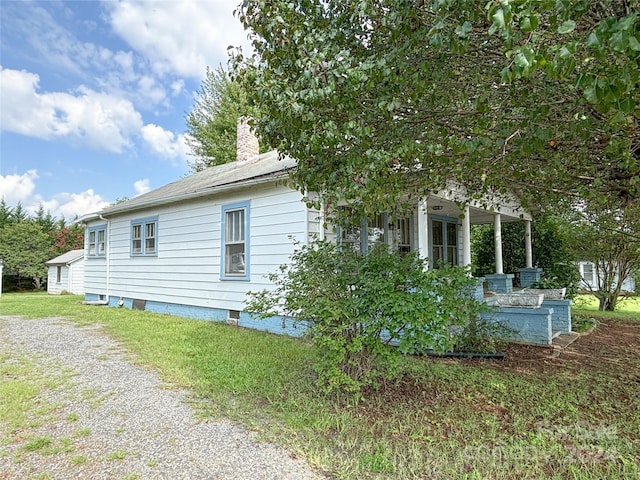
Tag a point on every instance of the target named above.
point(66, 258)
point(208, 182)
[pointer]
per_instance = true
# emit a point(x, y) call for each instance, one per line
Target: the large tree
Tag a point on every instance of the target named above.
point(24, 247)
point(379, 98)
point(211, 125)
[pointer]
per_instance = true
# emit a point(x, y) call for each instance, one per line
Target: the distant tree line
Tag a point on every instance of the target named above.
point(27, 241)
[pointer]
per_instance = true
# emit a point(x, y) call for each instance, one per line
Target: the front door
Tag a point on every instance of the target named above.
point(444, 242)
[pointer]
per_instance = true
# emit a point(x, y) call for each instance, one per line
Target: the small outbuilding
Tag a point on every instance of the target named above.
point(66, 273)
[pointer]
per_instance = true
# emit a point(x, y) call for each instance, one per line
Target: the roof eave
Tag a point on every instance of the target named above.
point(215, 190)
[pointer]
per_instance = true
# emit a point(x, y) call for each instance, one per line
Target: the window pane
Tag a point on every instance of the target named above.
point(588, 273)
point(92, 243)
point(234, 231)
point(375, 231)
point(452, 244)
point(436, 232)
point(150, 245)
point(137, 246)
point(452, 234)
point(403, 235)
point(150, 238)
point(452, 255)
point(137, 232)
point(351, 238)
point(234, 259)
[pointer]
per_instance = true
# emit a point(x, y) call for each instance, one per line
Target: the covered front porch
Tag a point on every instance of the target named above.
point(536, 316)
point(439, 229)
point(444, 236)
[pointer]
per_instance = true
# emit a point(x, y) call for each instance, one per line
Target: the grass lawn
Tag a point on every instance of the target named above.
point(627, 308)
point(530, 416)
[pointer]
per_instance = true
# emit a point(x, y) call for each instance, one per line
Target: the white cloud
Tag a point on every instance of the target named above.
point(72, 204)
point(21, 187)
point(99, 120)
point(141, 186)
point(179, 37)
point(177, 88)
point(165, 143)
point(18, 188)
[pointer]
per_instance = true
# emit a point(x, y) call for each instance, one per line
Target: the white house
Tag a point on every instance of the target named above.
point(589, 274)
point(66, 273)
point(196, 246)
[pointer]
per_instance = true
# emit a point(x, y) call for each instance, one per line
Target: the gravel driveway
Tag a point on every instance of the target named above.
point(124, 422)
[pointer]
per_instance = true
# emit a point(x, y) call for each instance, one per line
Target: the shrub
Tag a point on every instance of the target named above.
point(363, 311)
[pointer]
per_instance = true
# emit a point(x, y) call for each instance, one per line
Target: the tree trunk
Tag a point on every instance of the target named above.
point(607, 304)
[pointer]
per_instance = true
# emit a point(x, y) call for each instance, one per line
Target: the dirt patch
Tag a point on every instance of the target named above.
point(612, 347)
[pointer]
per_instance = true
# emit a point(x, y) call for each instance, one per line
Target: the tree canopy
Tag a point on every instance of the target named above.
point(211, 125)
point(377, 99)
point(27, 242)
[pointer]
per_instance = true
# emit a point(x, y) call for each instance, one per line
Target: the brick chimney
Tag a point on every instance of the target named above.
point(247, 146)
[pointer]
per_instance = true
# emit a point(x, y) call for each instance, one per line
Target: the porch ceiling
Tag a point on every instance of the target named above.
point(446, 208)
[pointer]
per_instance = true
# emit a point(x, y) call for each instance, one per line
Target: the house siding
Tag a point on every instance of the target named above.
point(56, 288)
point(186, 271)
point(628, 285)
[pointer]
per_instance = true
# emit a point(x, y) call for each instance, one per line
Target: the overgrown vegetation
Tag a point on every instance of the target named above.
point(441, 419)
point(364, 311)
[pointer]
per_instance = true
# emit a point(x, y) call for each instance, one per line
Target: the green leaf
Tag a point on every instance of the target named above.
point(617, 42)
point(634, 44)
point(593, 41)
point(567, 26)
point(498, 18)
point(529, 23)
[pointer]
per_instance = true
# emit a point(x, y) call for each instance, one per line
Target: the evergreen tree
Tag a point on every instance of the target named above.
point(211, 125)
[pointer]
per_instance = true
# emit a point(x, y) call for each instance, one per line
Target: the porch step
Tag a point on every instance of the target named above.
point(562, 341)
point(555, 334)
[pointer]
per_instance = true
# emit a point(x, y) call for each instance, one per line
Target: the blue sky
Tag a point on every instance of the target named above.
point(93, 95)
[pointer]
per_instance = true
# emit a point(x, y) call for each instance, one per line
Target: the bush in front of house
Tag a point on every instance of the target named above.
point(364, 311)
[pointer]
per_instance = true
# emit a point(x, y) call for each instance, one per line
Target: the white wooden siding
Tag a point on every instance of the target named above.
point(76, 277)
point(186, 269)
point(71, 278)
point(53, 287)
point(628, 285)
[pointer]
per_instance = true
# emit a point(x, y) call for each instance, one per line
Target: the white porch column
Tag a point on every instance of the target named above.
point(527, 244)
point(466, 237)
point(423, 229)
point(497, 237)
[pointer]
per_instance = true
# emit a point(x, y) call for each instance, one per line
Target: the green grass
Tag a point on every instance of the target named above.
point(628, 308)
point(446, 419)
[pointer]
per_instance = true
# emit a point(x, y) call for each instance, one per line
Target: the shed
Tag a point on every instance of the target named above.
point(66, 273)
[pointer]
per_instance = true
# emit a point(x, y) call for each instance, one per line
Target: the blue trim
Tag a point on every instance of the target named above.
point(143, 222)
point(276, 324)
point(96, 229)
point(246, 206)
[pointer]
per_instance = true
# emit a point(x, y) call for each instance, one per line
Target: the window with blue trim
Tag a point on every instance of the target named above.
point(235, 241)
point(96, 244)
point(144, 237)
